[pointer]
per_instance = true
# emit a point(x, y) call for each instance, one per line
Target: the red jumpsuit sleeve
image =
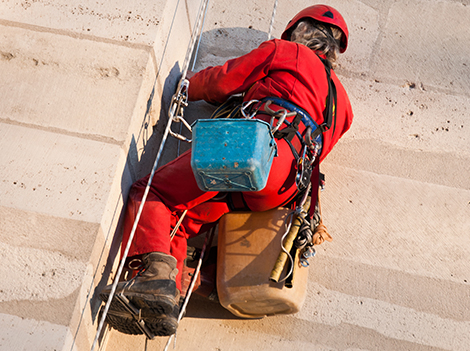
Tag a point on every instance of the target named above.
point(217, 84)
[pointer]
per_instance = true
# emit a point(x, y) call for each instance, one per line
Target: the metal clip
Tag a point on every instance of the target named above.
point(309, 252)
point(302, 177)
point(247, 104)
point(178, 102)
point(281, 120)
point(312, 145)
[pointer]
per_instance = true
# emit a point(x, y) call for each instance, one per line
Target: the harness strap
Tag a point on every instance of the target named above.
point(329, 113)
point(302, 116)
point(292, 128)
point(294, 151)
point(290, 131)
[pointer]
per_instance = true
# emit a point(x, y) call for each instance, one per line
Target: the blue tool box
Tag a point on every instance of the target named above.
point(232, 154)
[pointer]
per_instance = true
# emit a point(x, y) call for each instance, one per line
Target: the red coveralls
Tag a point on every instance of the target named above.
point(277, 68)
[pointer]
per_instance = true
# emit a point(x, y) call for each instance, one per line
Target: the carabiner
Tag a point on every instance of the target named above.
point(281, 120)
point(245, 105)
point(309, 252)
point(301, 168)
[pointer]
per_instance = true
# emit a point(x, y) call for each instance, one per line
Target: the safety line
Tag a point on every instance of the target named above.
point(272, 20)
point(193, 36)
point(287, 226)
point(103, 317)
point(207, 240)
point(200, 37)
point(147, 189)
point(194, 64)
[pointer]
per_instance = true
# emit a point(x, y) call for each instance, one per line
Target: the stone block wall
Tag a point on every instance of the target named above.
point(85, 88)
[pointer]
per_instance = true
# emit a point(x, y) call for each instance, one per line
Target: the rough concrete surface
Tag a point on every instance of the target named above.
point(82, 87)
point(85, 89)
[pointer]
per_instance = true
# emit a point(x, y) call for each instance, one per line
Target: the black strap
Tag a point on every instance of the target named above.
point(329, 114)
point(290, 131)
point(294, 151)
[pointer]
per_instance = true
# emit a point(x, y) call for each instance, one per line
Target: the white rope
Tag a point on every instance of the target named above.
point(131, 237)
point(195, 56)
point(272, 20)
point(172, 112)
point(175, 229)
point(200, 36)
point(197, 27)
point(193, 283)
point(298, 212)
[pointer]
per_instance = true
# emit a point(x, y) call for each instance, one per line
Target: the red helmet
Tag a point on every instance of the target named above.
point(324, 14)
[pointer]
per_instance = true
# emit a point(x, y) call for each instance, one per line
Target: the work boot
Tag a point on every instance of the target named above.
point(152, 293)
point(157, 325)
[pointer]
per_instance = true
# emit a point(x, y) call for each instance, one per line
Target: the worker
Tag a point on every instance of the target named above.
point(293, 73)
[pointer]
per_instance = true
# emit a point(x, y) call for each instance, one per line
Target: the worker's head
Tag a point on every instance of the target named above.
point(321, 28)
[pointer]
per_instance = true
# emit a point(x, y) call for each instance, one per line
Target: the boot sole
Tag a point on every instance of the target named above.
point(156, 304)
point(159, 312)
point(159, 326)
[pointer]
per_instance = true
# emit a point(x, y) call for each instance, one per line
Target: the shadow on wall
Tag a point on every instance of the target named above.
point(141, 156)
point(216, 47)
point(221, 44)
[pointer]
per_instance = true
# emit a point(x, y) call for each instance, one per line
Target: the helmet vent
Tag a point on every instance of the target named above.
point(329, 14)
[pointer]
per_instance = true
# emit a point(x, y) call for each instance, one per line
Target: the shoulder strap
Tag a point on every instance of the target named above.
point(329, 114)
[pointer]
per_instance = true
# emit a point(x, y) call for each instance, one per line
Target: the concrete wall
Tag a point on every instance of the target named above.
point(82, 86)
point(76, 130)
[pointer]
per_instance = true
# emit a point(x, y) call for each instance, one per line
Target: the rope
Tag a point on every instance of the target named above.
point(272, 20)
point(172, 112)
point(207, 240)
point(201, 14)
point(288, 227)
point(194, 59)
point(175, 229)
point(200, 37)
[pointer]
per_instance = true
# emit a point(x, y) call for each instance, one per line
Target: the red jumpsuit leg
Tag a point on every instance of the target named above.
point(173, 190)
point(281, 187)
point(202, 214)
